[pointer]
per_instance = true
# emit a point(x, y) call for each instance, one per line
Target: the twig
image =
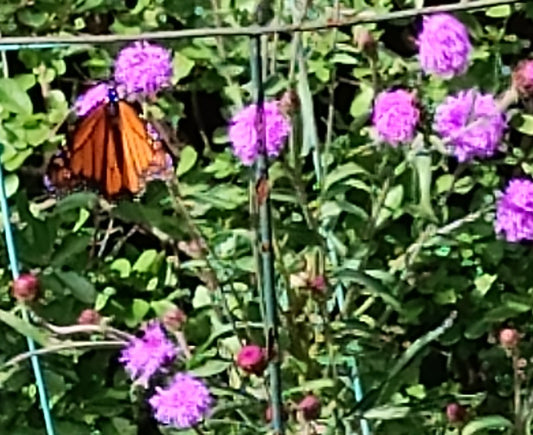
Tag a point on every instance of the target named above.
point(64, 346)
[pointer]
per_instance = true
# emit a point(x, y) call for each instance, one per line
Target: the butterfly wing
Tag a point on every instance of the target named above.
point(112, 148)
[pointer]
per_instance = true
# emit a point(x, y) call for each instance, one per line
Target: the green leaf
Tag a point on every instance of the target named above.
point(145, 261)
point(422, 163)
point(188, 158)
point(122, 266)
point(79, 286)
point(341, 172)
point(387, 412)
point(523, 123)
point(484, 423)
point(500, 11)
point(14, 98)
point(210, 368)
point(139, 309)
point(313, 385)
point(484, 282)
point(23, 327)
point(182, 67)
point(12, 184)
point(392, 202)
point(362, 103)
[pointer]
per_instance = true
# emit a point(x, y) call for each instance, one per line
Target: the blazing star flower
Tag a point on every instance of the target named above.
point(395, 116)
point(444, 46)
point(243, 135)
point(523, 78)
point(143, 68)
point(514, 214)
point(145, 356)
point(472, 123)
point(91, 98)
point(183, 404)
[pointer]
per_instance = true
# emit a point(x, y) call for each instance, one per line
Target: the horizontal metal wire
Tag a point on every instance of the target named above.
point(37, 42)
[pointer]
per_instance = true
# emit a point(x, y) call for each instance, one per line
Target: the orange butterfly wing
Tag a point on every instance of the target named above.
point(112, 149)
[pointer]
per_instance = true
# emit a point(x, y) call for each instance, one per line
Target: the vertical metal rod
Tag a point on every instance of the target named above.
point(265, 242)
point(12, 254)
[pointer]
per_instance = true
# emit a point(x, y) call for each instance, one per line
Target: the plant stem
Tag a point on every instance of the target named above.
point(265, 240)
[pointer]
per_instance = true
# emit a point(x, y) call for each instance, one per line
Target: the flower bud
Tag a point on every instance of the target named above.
point(523, 78)
point(455, 413)
point(310, 407)
point(509, 338)
point(252, 359)
point(89, 317)
point(289, 102)
point(25, 287)
point(318, 284)
point(364, 41)
point(174, 319)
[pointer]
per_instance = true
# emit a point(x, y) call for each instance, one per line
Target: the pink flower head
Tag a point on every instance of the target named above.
point(514, 214)
point(395, 116)
point(143, 68)
point(509, 338)
point(183, 404)
point(26, 287)
point(146, 355)
point(472, 123)
point(252, 359)
point(455, 413)
point(523, 78)
point(91, 98)
point(444, 45)
point(243, 134)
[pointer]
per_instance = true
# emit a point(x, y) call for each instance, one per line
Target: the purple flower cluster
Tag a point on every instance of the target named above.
point(471, 123)
point(145, 356)
point(444, 46)
point(183, 404)
point(243, 133)
point(143, 68)
point(395, 116)
point(91, 98)
point(514, 214)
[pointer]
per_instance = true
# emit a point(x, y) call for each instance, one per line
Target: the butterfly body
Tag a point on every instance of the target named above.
point(110, 148)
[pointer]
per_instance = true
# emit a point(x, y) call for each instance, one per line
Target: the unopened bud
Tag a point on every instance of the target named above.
point(509, 338)
point(174, 319)
point(89, 317)
point(252, 359)
point(523, 78)
point(25, 287)
point(289, 103)
point(455, 413)
point(364, 41)
point(310, 407)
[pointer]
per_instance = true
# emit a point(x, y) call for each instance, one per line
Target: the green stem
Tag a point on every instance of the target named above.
point(265, 243)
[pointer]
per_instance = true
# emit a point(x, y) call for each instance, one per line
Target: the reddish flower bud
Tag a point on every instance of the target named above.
point(455, 413)
point(310, 407)
point(318, 284)
point(364, 41)
point(252, 359)
point(509, 338)
point(25, 287)
point(89, 317)
point(523, 78)
point(174, 319)
point(289, 102)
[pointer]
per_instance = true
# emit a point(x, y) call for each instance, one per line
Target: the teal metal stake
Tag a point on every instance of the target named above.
point(265, 244)
point(13, 262)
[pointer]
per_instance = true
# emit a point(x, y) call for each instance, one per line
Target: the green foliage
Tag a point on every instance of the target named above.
point(404, 236)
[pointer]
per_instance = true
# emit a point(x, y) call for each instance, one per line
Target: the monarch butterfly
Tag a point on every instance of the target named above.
point(110, 147)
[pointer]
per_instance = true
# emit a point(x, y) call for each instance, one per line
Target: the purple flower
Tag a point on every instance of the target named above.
point(395, 116)
point(144, 356)
point(514, 214)
point(183, 403)
point(143, 68)
point(243, 134)
point(471, 123)
point(444, 46)
point(91, 98)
